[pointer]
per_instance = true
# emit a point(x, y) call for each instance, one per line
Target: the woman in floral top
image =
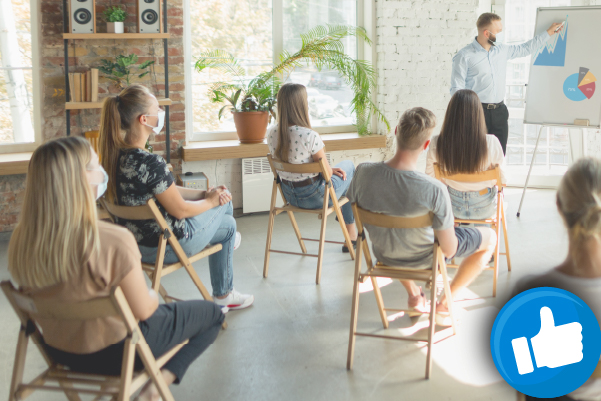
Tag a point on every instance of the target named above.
point(197, 218)
point(293, 141)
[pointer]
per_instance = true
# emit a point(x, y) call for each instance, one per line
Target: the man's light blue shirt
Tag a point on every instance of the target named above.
point(484, 72)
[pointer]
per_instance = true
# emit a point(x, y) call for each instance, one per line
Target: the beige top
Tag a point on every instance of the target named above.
point(119, 253)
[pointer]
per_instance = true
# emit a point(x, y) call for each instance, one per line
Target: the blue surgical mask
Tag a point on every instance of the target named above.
point(101, 187)
point(160, 123)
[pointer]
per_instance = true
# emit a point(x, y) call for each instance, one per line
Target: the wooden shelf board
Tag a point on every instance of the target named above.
point(116, 35)
point(98, 105)
point(233, 149)
point(14, 163)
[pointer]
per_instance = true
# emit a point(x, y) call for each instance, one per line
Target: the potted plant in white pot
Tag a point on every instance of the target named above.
point(114, 17)
point(252, 103)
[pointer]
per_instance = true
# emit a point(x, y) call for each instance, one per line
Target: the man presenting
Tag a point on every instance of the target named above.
point(480, 66)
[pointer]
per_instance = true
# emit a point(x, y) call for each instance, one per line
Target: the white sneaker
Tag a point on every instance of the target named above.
point(235, 300)
point(238, 240)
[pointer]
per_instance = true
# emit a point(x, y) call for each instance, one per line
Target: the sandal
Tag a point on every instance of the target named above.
point(421, 307)
point(345, 248)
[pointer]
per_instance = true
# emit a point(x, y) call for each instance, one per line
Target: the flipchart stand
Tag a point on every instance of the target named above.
point(578, 124)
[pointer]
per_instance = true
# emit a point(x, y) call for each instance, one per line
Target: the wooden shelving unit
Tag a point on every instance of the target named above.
point(69, 36)
point(164, 36)
point(98, 105)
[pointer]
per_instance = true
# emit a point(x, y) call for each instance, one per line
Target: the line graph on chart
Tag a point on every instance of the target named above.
point(553, 52)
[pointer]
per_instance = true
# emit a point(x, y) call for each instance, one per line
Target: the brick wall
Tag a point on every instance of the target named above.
point(415, 42)
point(85, 54)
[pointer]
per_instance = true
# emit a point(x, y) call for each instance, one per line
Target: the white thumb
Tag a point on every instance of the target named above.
point(546, 319)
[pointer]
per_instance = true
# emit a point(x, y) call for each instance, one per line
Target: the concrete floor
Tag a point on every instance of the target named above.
point(292, 343)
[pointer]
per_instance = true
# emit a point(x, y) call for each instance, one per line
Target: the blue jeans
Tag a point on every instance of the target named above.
point(311, 196)
point(472, 205)
point(215, 226)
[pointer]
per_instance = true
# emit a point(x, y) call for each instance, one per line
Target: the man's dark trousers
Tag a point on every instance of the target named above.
point(497, 121)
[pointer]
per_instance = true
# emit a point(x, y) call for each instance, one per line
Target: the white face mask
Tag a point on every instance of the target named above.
point(101, 187)
point(160, 123)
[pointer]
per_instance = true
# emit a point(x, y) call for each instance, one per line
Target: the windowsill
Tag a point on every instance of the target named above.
point(14, 163)
point(233, 149)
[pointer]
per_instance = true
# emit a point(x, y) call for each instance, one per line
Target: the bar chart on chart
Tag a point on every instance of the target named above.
point(580, 86)
point(553, 52)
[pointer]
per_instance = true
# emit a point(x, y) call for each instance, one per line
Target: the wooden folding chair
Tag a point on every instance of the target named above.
point(323, 213)
point(495, 221)
point(159, 270)
point(59, 378)
point(429, 276)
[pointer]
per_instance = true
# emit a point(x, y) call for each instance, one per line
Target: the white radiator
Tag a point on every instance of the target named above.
point(257, 182)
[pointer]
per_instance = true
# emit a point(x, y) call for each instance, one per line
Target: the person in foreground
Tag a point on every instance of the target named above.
point(396, 188)
point(197, 218)
point(61, 251)
point(292, 140)
point(464, 147)
point(579, 204)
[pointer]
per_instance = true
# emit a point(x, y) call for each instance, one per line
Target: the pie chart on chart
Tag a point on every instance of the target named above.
point(580, 86)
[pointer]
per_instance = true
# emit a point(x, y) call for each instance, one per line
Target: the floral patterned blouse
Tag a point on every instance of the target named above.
point(141, 176)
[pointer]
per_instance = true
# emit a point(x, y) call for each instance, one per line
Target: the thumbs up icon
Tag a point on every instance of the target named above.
point(553, 346)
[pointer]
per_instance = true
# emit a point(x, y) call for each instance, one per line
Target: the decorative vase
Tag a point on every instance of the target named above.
point(114, 27)
point(251, 126)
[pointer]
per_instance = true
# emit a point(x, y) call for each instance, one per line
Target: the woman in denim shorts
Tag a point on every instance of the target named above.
point(292, 140)
point(463, 146)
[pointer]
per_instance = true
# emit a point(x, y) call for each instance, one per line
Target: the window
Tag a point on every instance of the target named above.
point(256, 32)
point(18, 76)
point(552, 155)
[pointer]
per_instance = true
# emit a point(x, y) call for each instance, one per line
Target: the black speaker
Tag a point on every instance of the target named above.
point(149, 16)
point(83, 16)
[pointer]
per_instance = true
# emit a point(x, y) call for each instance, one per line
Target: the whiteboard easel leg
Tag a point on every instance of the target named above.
point(530, 169)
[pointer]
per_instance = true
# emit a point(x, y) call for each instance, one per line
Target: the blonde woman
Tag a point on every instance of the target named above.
point(579, 204)
point(292, 140)
point(197, 218)
point(60, 251)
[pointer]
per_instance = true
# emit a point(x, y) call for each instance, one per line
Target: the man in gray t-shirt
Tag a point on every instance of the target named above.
point(395, 188)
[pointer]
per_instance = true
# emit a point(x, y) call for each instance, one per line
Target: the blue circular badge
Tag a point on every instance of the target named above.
point(546, 342)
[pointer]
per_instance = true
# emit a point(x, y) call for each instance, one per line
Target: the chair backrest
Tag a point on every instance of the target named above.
point(93, 137)
point(486, 175)
point(386, 221)
point(129, 212)
point(306, 168)
point(28, 309)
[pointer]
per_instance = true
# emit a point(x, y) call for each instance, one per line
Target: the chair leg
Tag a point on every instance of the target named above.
point(432, 327)
point(447, 291)
point(322, 237)
point(158, 266)
point(19, 365)
point(127, 370)
point(69, 391)
point(354, 310)
point(274, 193)
point(347, 237)
point(297, 232)
point(379, 301)
point(154, 371)
point(506, 238)
point(496, 262)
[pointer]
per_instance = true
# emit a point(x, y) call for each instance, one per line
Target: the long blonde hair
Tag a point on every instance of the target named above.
point(57, 232)
point(118, 114)
point(579, 203)
point(293, 109)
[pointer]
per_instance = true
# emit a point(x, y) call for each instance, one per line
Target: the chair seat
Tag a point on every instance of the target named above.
point(209, 250)
point(400, 273)
point(289, 208)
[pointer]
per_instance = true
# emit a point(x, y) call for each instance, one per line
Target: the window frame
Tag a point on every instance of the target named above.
point(35, 14)
point(366, 17)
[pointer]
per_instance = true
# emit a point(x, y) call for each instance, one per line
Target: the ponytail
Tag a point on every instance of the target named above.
point(118, 114)
point(293, 109)
point(579, 203)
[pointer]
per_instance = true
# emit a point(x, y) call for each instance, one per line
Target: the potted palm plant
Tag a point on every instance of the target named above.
point(114, 17)
point(253, 101)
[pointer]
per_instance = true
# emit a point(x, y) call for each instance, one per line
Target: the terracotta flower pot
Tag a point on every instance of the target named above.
point(251, 126)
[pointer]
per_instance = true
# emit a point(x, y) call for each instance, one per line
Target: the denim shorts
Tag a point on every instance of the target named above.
point(478, 205)
point(468, 241)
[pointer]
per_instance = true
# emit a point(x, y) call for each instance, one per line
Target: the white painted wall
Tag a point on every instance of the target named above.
point(415, 42)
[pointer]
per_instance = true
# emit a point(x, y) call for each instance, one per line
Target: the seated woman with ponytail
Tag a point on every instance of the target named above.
point(60, 251)
point(293, 141)
point(579, 205)
point(197, 218)
point(463, 146)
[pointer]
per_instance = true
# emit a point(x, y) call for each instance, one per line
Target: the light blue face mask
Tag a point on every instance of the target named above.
point(101, 187)
point(160, 123)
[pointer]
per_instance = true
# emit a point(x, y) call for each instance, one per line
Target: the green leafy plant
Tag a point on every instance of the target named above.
point(114, 14)
point(322, 47)
point(120, 71)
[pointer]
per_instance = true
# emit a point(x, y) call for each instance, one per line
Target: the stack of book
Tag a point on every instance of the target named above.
point(84, 86)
